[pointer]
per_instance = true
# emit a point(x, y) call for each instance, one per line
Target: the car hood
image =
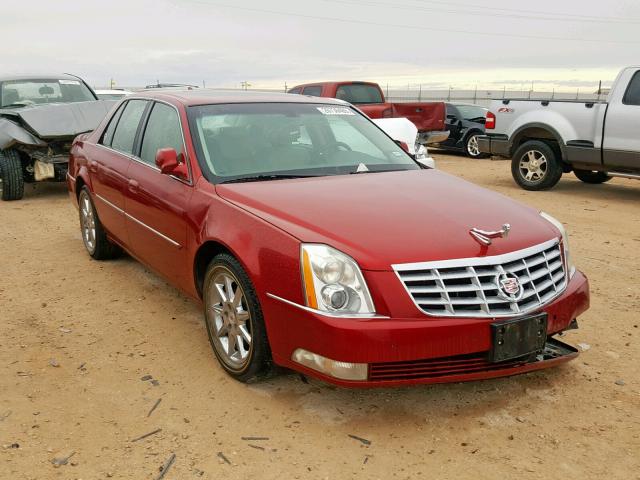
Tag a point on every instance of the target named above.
point(60, 120)
point(381, 219)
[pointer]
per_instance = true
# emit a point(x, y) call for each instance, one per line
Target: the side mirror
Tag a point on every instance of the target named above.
point(169, 163)
point(452, 118)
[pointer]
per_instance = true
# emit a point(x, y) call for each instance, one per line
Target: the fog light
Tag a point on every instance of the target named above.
point(333, 368)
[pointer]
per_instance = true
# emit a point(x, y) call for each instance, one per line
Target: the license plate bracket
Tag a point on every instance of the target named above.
point(518, 337)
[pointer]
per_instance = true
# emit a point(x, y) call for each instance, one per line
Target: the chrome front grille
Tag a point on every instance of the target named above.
point(469, 287)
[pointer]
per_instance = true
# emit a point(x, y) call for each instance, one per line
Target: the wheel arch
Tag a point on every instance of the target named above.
point(538, 131)
point(205, 253)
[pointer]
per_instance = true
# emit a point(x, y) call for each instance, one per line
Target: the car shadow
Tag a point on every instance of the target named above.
point(569, 186)
point(43, 190)
point(490, 398)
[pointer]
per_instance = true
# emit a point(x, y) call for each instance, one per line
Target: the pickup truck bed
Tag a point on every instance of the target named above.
point(546, 138)
point(428, 117)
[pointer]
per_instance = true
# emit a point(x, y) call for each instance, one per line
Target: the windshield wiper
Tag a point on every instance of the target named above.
point(262, 178)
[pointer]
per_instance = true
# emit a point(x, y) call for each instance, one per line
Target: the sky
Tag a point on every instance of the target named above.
point(559, 44)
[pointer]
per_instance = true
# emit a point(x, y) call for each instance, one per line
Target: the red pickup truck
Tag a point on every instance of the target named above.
point(428, 117)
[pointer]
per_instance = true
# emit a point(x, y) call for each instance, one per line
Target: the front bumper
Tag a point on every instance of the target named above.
point(402, 351)
point(495, 145)
point(428, 138)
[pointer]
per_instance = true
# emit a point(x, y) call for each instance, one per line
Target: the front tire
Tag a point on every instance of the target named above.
point(94, 236)
point(593, 177)
point(234, 320)
point(471, 147)
point(535, 166)
point(11, 176)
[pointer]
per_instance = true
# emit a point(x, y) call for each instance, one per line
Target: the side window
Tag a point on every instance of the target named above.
point(127, 127)
point(632, 95)
point(107, 137)
point(313, 91)
point(295, 90)
point(163, 131)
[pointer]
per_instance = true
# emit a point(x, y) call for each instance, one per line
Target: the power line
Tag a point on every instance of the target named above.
point(412, 27)
point(535, 12)
point(488, 12)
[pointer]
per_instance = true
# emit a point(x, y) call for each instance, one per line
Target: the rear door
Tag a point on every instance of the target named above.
point(108, 164)
point(156, 203)
point(621, 145)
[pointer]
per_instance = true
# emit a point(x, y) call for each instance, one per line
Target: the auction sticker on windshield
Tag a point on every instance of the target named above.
point(336, 110)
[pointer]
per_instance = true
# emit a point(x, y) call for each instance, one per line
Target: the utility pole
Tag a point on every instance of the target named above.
point(449, 95)
point(420, 93)
point(285, 87)
point(245, 85)
point(475, 95)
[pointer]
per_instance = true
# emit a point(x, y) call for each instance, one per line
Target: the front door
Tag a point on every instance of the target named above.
point(156, 203)
point(621, 146)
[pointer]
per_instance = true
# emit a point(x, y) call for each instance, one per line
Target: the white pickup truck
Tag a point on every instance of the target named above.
point(596, 140)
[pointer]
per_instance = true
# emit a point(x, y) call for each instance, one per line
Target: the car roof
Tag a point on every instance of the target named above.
point(204, 96)
point(55, 76)
point(344, 82)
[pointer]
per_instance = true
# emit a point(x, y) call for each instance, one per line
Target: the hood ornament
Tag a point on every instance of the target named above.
point(483, 237)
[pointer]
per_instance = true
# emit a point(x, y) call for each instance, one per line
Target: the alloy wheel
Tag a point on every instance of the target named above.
point(533, 166)
point(87, 222)
point(229, 319)
point(472, 146)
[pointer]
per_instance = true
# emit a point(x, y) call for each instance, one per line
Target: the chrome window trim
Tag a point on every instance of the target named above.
point(189, 181)
point(481, 261)
point(354, 316)
point(151, 229)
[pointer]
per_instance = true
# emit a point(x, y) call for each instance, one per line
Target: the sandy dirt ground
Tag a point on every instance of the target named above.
point(88, 348)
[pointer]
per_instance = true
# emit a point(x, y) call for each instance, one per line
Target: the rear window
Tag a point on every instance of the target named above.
point(632, 95)
point(295, 90)
point(359, 93)
point(313, 91)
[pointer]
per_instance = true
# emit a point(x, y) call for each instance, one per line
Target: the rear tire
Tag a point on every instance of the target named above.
point(234, 321)
point(593, 177)
point(471, 147)
point(535, 166)
point(93, 234)
point(11, 177)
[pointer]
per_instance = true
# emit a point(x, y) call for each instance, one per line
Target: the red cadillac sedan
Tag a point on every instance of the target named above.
point(316, 243)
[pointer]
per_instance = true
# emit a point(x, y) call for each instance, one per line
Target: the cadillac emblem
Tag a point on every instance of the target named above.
point(509, 287)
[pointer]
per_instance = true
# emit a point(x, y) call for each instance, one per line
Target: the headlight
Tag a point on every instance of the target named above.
point(333, 281)
point(565, 242)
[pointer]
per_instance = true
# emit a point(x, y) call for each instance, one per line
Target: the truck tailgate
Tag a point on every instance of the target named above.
point(427, 116)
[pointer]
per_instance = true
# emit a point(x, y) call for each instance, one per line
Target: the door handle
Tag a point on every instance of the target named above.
point(93, 166)
point(133, 186)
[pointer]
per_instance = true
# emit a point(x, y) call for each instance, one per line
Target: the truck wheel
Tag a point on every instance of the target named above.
point(93, 235)
point(589, 176)
point(471, 147)
point(11, 178)
point(535, 166)
point(234, 320)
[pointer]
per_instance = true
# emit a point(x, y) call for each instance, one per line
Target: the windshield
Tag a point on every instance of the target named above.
point(471, 112)
point(256, 140)
point(359, 93)
point(36, 92)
